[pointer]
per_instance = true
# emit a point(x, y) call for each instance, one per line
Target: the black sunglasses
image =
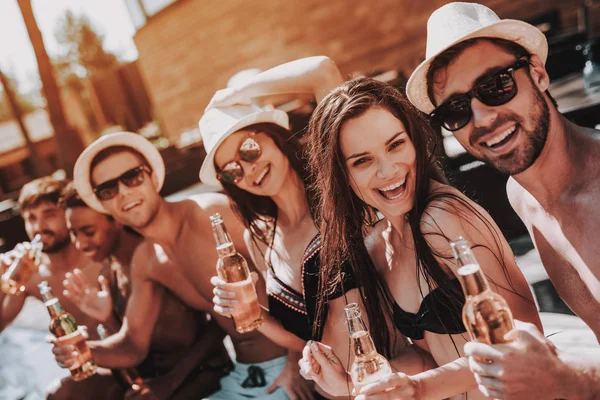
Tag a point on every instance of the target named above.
point(132, 178)
point(492, 90)
point(249, 151)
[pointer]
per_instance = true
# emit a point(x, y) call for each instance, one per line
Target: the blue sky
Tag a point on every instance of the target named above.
point(16, 54)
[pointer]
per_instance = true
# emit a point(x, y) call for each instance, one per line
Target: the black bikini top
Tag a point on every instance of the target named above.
point(437, 314)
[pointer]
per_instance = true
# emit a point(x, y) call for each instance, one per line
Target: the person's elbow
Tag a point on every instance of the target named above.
point(329, 76)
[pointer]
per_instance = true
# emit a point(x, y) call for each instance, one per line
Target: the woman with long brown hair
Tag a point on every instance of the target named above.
point(261, 166)
point(371, 156)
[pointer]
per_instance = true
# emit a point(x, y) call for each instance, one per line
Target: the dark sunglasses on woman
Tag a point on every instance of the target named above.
point(248, 151)
point(493, 90)
point(131, 178)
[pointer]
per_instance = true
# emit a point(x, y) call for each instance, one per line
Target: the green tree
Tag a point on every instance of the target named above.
point(82, 46)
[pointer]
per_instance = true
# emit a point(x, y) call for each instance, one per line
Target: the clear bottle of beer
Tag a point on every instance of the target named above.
point(14, 278)
point(63, 326)
point(369, 366)
point(233, 269)
point(139, 388)
point(486, 314)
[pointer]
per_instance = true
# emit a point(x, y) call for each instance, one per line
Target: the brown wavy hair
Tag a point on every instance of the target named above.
point(342, 216)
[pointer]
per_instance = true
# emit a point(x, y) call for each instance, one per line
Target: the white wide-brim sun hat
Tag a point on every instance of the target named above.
point(217, 124)
point(457, 22)
point(81, 172)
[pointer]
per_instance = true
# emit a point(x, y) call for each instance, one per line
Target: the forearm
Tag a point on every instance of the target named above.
point(579, 379)
point(274, 331)
point(315, 75)
point(413, 361)
point(10, 307)
point(445, 381)
point(117, 351)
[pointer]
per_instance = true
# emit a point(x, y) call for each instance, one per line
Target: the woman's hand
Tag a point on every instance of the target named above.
point(224, 299)
point(397, 386)
point(320, 364)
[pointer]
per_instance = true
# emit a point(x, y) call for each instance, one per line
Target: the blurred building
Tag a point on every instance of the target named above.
point(188, 49)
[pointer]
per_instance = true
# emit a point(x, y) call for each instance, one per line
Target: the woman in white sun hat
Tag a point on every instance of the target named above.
point(253, 154)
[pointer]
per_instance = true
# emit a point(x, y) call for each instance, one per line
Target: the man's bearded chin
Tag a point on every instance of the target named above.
point(58, 245)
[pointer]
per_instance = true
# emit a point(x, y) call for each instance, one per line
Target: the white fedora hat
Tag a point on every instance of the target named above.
point(81, 172)
point(457, 22)
point(217, 124)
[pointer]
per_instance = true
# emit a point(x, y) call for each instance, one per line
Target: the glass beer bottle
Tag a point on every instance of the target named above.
point(486, 314)
point(63, 326)
point(233, 269)
point(14, 278)
point(369, 366)
point(139, 388)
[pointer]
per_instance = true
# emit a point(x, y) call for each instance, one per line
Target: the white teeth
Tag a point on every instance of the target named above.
point(131, 205)
point(501, 137)
point(261, 176)
point(392, 187)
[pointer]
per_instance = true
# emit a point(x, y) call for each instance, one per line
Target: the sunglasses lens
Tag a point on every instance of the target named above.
point(108, 191)
point(455, 114)
point(232, 172)
point(249, 150)
point(133, 178)
point(497, 90)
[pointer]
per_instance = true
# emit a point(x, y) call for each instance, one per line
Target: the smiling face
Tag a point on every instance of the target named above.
point(93, 233)
point(510, 137)
point(132, 206)
point(381, 161)
point(263, 177)
point(48, 220)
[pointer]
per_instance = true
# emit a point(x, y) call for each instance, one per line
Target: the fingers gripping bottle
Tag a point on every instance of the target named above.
point(233, 269)
point(486, 314)
point(63, 326)
point(14, 279)
point(369, 366)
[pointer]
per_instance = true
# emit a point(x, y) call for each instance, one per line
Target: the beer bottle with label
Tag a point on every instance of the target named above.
point(64, 327)
point(486, 314)
point(233, 269)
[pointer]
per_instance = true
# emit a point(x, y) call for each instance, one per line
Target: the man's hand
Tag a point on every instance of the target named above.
point(290, 380)
point(93, 302)
point(66, 354)
point(320, 364)
point(396, 386)
point(525, 369)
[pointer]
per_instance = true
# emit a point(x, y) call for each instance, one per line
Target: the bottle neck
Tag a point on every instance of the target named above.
point(54, 308)
point(362, 341)
point(473, 280)
point(223, 240)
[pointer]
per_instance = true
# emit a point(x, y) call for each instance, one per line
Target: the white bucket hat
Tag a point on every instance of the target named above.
point(457, 22)
point(217, 124)
point(81, 172)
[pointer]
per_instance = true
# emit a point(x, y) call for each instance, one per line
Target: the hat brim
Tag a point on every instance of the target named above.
point(522, 33)
point(208, 172)
point(81, 172)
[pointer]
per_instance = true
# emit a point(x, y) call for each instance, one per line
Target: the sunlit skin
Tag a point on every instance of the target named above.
point(527, 111)
point(92, 232)
point(379, 154)
point(271, 157)
point(135, 206)
point(47, 219)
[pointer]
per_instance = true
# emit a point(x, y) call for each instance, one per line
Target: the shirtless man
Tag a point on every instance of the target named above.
point(121, 174)
point(511, 122)
point(178, 328)
point(38, 202)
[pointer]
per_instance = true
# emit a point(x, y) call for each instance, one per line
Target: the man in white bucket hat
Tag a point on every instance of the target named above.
point(484, 79)
point(121, 174)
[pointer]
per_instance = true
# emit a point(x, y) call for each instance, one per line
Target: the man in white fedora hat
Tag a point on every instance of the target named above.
point(121, 174)
point(485, 80)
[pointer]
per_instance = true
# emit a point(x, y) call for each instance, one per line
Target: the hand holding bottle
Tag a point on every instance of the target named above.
point(224, 299)
point(23, 261)
point(93, 302)
point(320, 364)
point(395, 386)
point(65, 353)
